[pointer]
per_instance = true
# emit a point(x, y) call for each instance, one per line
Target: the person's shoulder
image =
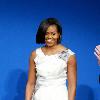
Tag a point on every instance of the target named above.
point(64, 47)
point(70, 51)
point(33, 53)
point(67, 48)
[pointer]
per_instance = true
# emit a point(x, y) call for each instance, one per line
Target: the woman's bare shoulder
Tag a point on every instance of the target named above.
point(63, 47)
point(33, 54)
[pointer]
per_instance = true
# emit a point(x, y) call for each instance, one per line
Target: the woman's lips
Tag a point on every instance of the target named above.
point(49, 40)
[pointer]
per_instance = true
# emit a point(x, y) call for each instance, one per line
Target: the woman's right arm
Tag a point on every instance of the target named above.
point(31, 77)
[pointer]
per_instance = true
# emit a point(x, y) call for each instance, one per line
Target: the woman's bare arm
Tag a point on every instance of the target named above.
point(72, 68)
point(31, 77)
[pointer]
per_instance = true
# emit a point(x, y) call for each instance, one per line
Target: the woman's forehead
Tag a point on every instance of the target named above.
point(52, 28)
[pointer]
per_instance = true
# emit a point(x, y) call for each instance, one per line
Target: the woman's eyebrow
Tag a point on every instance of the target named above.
point(51, 32)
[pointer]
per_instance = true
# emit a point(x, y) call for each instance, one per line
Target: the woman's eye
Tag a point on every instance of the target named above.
point(53, 33)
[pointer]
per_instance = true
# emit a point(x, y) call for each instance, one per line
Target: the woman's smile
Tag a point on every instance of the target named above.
point(49, 40)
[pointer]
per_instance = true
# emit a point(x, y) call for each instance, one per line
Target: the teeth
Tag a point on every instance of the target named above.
point(49, 40)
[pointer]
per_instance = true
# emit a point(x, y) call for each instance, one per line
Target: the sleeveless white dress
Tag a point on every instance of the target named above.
point(51, 75)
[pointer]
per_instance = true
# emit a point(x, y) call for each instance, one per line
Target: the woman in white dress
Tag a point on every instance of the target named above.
point(51, 65)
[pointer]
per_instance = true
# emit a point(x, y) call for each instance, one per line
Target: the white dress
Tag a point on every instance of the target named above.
point(51, 75)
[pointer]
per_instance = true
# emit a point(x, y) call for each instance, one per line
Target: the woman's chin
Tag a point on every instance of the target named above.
point(51, 45)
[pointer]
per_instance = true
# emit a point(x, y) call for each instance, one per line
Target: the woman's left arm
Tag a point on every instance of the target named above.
point(72, 77)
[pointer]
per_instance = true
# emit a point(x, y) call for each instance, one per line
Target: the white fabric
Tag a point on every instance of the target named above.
point(51, 75)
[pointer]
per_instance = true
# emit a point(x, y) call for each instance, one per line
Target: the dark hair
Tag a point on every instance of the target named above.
point(40, 36)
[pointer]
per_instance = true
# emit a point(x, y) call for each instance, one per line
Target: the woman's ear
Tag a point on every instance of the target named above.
point(59, 39)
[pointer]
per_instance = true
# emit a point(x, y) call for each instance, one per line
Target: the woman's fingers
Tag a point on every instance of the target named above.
point(96, 54)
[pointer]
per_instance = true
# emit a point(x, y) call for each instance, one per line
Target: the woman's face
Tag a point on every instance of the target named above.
point(51, 36)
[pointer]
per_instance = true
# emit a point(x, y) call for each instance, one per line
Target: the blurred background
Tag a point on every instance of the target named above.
point(19, 21)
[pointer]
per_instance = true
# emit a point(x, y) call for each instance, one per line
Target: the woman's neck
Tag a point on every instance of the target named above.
point(52, 47)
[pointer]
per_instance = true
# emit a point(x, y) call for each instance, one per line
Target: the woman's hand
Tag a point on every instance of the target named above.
point(97, 53)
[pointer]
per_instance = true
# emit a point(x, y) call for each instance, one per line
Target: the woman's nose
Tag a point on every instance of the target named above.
point(49, 36)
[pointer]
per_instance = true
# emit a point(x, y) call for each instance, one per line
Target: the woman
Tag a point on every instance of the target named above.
point(97, 53)
point(51, 65)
